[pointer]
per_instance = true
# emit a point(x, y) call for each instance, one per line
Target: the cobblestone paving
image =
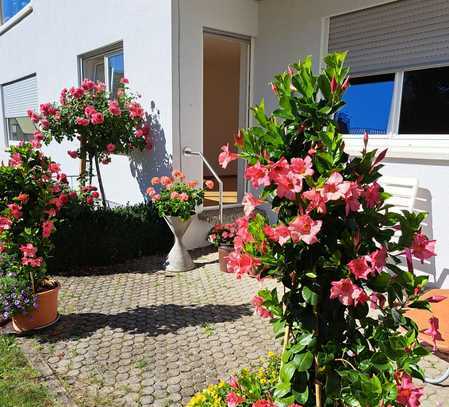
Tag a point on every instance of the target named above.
point(147, 337)
point(135, 335)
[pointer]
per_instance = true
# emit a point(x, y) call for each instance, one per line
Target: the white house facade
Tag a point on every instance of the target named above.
point(199, 65)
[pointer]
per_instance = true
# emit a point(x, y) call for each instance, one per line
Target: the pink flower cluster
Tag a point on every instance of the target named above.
point(258, 302)
point(29, 256)
point(408, 394)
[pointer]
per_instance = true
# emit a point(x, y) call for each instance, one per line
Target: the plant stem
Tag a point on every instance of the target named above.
point(33, 287)
point(82, 175)
point(100, 181)
point(318, 400)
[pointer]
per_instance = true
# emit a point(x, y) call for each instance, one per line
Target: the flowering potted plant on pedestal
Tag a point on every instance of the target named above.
point(336, 248)
point(32, 191)
point(176, 201)
point(222, 237)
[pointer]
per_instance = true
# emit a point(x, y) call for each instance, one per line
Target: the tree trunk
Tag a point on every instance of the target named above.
point(100, 181)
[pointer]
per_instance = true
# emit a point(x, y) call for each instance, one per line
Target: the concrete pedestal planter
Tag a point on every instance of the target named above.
point(179, 258)
point(223, 252)
point(45, 314)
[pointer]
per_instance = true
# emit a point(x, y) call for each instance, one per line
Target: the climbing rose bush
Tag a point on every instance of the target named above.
point(32, 192)
point(174, 196)
point(103, 123)
point(336, 247)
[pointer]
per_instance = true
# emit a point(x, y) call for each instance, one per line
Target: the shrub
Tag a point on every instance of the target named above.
point(100, 237)
point(32, 192)
point(336, 249)
point(222, 234)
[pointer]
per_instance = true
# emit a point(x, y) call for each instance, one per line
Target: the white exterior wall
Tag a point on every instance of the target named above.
point(48, 42)
point(232, 16)
point(292, 29)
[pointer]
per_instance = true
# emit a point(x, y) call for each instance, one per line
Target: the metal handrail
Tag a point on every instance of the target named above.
point(188, 152)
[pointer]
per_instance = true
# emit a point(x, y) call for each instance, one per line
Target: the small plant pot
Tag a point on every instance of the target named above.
point(179, 258)
point(223, 253)
point(45, 314)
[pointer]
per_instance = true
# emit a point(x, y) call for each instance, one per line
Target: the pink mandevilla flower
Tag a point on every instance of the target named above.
point(258, 175)
point(372, 195)
point(316, 201)
point(347, 292)
point(422, 247)
point(304, 229)
point(225, 157)
point(360, 268)
point(280, 233)
point(434, 332)
point(408, 394)
point(263, 403)
point(250, 202)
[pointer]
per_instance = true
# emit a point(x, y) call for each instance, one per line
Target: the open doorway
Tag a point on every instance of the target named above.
point(225, 109)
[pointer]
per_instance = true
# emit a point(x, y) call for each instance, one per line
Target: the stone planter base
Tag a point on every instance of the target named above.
point(179, 258)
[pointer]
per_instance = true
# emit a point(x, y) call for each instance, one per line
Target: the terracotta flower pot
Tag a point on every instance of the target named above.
point(179, 258)
point(223, 252)
point(45, 314)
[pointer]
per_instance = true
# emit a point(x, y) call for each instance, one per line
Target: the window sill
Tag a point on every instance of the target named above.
point(16, 19)
point(434, 148)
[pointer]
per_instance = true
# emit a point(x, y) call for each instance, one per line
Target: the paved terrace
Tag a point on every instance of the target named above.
point(134, 335)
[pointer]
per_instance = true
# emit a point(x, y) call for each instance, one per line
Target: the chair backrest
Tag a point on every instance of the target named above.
point(403, 191)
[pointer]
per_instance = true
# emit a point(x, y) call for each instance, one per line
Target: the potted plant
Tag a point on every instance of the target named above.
point(222, 237)
point(336, 248)
point(104, 124)
point(176, 201)
point(32, 191)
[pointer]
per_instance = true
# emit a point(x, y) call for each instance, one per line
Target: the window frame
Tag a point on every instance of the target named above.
point(2, 22)
point(395, 110)
point(105, 52)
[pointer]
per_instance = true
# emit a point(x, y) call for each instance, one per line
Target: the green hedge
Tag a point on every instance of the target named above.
point(88, 237)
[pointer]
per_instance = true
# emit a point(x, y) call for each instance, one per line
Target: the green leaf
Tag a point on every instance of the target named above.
point(309, 296)
point(281, 389)
point(287, 371)
point(303, 361)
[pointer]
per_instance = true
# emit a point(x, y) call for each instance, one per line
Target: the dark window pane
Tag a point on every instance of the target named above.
point(11, 7)
point(425, 102)
point(116, 72)
point(368, 104)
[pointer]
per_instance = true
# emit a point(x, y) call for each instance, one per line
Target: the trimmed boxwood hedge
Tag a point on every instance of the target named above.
point(100, 237)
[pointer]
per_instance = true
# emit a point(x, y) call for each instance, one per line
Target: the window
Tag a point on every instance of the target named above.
point(18, 97)
point(425, 102)
point(106, 66)
point(368, 105)
point(9, 8)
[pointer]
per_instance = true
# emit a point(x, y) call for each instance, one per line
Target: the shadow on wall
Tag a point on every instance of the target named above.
point(155, 163)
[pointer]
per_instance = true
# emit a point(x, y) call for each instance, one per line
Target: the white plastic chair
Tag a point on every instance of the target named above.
point(403, 191)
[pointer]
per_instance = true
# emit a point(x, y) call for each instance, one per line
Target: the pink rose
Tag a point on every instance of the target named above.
point(155, 181)
point(209, 184)
point(16, 210)
point(89, 110)
point(114, 108)
point(97, 118)
point(82, 121)
point(47, 228)
point(233, 400)
point(111, 147)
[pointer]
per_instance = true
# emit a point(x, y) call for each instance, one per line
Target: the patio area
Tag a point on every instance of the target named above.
point(135, 335)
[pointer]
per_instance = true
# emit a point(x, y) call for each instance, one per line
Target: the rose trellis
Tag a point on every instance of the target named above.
point(336, 248)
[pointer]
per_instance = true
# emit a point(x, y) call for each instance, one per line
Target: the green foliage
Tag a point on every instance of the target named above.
point(99, 237)
point(336, 346)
